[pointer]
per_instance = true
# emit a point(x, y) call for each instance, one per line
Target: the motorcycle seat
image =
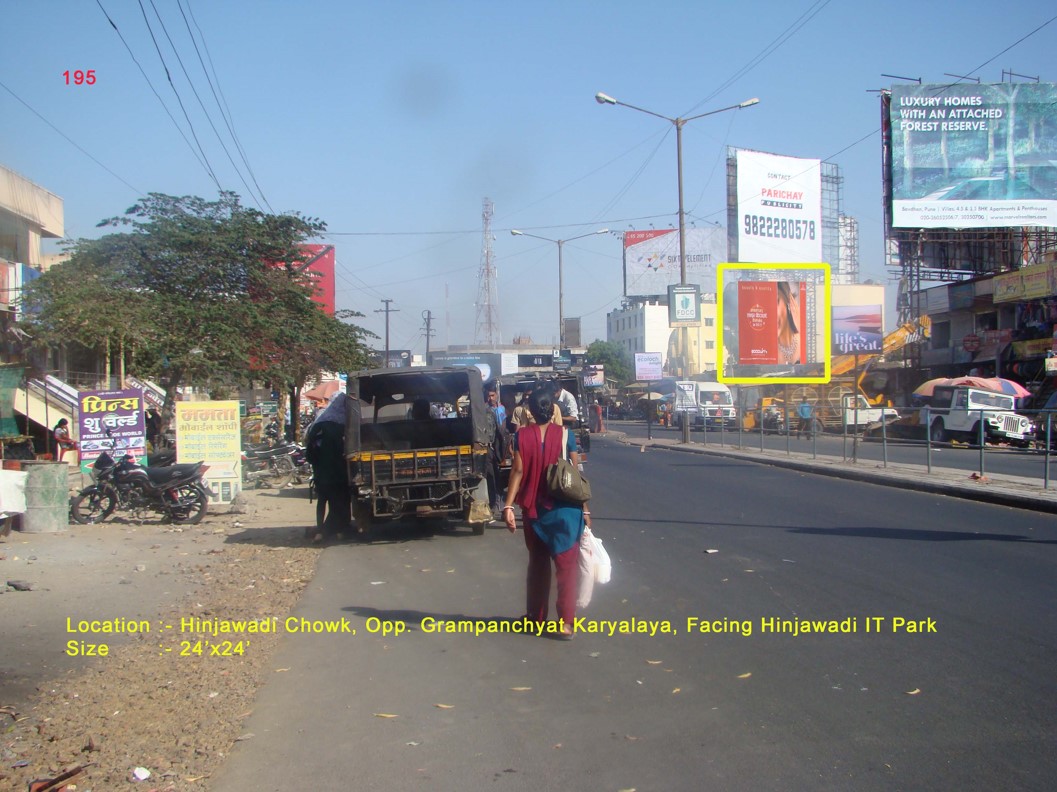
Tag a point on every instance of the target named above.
point(163, 475)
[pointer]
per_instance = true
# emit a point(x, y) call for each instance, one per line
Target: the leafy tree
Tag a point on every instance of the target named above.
point(617, 360)
point(199, 292)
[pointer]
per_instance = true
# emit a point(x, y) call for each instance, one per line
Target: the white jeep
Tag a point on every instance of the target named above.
point(956, 413)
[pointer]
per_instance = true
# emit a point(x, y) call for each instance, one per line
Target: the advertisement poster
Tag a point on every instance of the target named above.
point(594, 376)
point(649, 366)
point(111, 421)
point(857, 329)
point(210, 431)
point(974, 156)
point(779, 203)
point(772, 321)
point(651, 259)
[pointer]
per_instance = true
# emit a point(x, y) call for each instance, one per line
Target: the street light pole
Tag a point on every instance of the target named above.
point(561, 298)
point(679, 123)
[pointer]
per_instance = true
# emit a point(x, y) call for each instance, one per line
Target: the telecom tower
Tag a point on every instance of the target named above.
point(486, 331)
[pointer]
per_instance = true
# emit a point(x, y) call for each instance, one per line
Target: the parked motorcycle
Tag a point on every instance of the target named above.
point(273, 465)
point(176, 492)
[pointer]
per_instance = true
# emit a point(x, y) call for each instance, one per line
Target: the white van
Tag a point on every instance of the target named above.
point(717, 405)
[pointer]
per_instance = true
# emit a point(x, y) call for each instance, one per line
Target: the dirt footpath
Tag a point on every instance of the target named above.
point(170, 696)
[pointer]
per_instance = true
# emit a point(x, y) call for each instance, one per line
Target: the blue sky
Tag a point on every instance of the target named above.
point(393, 121)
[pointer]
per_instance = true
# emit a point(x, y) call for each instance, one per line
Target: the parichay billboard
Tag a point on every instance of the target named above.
point(779, 202)
point(651, 259)
point(974, 156)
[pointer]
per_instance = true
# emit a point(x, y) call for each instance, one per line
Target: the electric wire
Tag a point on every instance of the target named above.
point(225, 112)
point(152, 88)
point(71, 141)
point(179, 101)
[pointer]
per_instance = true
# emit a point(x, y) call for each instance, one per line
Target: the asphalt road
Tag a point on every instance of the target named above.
point(1029, 463)
point(964, 702)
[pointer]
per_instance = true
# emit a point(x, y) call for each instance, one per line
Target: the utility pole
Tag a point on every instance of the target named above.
point(387, 310)
point(427, 317)
point(486, 329)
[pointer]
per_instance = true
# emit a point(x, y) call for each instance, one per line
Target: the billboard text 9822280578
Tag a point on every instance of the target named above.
point(773, 322)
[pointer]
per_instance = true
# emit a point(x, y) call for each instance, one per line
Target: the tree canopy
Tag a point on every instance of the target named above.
point(196, 292)
point(614, 357)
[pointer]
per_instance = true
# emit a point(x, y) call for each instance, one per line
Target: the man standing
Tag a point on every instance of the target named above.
point(804, 412)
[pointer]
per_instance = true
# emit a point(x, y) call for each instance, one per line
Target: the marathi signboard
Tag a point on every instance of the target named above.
point(651, 259)
point(211, 431)
point(974, 156)
point(779, 202)
point(1027, 283)
point(857, 329)
point(111, 421)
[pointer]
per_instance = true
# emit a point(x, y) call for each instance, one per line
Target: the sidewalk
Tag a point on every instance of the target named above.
point(1003, 490)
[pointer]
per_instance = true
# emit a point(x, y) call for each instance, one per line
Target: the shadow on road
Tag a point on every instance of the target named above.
point(920, 535)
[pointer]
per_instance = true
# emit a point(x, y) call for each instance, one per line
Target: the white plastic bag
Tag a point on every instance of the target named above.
point(587, 570)
point(603, 567)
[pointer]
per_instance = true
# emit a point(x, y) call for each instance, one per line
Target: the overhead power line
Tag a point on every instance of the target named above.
point(179, 101)
point(71, 141)
point(153, 89)
point(225, 112)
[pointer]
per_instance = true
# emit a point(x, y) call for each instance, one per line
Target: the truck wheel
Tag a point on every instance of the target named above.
point(363, 520)
point(939, 434)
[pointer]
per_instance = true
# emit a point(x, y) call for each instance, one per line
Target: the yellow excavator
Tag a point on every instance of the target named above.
point(841, 401)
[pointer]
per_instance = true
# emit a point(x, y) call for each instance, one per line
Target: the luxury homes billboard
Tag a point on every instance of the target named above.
point(974, 156)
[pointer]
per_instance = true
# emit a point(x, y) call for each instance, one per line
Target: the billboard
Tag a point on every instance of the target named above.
point(857, 329)
point(974, 156)
point(111, 421)
point(210, 431)
point(772, 322)
point(651, 259)
point(319, 264)
point(779, 202)
point(649, 366)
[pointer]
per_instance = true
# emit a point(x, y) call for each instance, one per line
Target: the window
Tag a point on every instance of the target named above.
point(709, 321)
point(941, 335)
point(710, 345)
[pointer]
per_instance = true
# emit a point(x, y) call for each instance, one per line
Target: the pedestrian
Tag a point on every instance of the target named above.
point(804, 413)
point(498, 449)
point(552, 528)
point(522, 415)
point(152, 423)
point(61, 433)
point(325, 451)
point(598, 426)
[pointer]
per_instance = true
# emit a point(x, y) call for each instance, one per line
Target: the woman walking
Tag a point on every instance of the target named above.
point(552, 528)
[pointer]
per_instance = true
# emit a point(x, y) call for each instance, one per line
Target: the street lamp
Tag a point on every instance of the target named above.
point(604, 99)
point(559, 243)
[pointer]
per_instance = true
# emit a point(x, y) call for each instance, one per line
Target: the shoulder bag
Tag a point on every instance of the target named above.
point(564, 480)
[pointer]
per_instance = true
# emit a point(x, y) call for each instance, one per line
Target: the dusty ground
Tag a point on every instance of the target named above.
point(154, 702)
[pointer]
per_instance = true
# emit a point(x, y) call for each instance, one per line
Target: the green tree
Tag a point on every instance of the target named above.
point(617, 360)
point(197, 292)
